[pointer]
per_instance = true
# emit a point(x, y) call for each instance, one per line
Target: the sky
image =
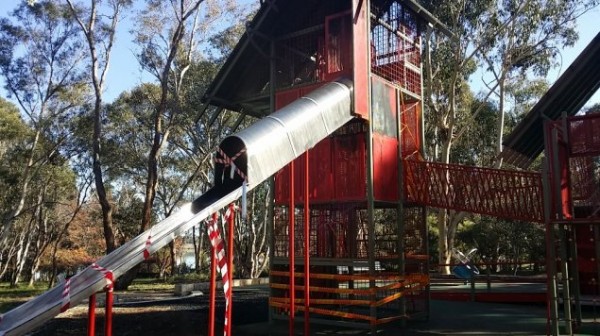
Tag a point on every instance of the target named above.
point(125, 73)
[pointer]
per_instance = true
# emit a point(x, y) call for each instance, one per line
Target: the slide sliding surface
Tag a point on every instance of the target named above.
point(253, 154)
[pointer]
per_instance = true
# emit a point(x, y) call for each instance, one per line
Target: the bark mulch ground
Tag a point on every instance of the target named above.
point(160, 313)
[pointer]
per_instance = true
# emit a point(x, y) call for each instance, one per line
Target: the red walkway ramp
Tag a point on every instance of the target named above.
point(496, 192)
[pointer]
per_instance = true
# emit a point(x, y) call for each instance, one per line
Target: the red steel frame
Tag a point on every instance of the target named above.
point(576, 196)
point(108, 313)
point(338, 195)
point(92, 316)
point(306, 246)
point(292, 250)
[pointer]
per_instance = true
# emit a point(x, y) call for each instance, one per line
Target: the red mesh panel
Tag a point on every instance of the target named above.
point(299, 59)
point(502, 193)
point(395, 49)
point(321, 172)
point(415, 239)
point(583, 180)
point(586, 258)
point(338, 45)
point(411, 128)
point(584, 135)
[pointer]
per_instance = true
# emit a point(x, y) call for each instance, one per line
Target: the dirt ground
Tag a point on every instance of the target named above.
point(160, 313)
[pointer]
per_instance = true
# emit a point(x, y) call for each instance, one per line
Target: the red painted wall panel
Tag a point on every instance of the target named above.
point(360, 47)
point(385, 168)
point(349, 165)
point(321, 172)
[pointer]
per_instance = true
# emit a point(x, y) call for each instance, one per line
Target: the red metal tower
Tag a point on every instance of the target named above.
point(362, 252)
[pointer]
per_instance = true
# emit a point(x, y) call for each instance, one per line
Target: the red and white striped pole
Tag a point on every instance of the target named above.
point(108, 307)
point(66, 296)
point(212, 287)
point(230, 221)
point(219, 246)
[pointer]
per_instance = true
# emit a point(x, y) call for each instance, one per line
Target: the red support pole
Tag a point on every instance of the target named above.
point(108, 307)
point(92, 315)
point(230, 223)
point(306, 248)
point(292, 251)
point(212, 289)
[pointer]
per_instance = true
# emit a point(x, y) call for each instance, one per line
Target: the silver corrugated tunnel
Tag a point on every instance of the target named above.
point(262, 149)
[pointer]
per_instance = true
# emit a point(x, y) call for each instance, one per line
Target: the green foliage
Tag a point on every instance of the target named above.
point(502, 240)
point(12, 127)
point(475, 146)
point(513, 42)
point(38, 49)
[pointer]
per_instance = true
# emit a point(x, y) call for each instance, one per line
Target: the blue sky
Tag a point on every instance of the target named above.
point(125, 72)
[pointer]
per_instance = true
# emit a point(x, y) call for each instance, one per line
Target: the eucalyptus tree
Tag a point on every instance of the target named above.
point(13, 129)
point(167, 38)
point(528, 45)
point(448, 65)
point(169, 35)
point(504, 38)
point(98, 24)
point(186, 163)
point(39, 57)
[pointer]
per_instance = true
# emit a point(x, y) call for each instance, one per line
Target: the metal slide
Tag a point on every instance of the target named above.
point(251, 155)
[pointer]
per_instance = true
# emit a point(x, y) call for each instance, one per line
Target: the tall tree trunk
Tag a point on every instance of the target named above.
point(500, 135)
point(173, 254)
point(32, 271)
point(24, 190)
point(42, 239)
point(21, 257)
point(98, 76)
point(196, 250)
point(444, 247)
point(10, 254)
point(106, 206)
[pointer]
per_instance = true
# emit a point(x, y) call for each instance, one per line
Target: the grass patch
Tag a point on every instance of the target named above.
point(151, 285)
point(11, 297)
point(191, 278)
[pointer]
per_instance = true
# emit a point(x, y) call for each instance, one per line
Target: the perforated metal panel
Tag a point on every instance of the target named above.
point(501, 193)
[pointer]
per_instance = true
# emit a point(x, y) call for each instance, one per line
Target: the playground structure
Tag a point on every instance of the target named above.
point(337, 86)
point(347, 241)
